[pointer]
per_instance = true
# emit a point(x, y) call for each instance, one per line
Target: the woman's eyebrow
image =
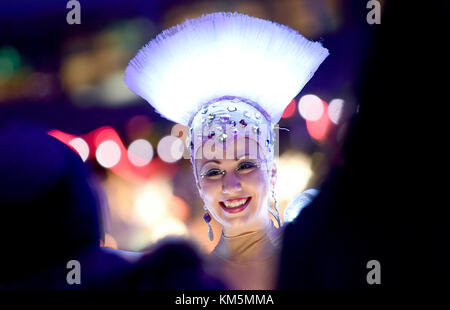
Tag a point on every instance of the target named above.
point(209, 161)
point(244, 155)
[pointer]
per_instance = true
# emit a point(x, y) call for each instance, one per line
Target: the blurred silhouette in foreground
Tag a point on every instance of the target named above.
point(51, 216)
point(377, 205)
point(174, 263)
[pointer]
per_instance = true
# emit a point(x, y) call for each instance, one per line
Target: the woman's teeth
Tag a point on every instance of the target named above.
point(235, 203)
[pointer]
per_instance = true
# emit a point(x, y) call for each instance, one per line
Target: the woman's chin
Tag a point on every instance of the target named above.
point(237, 222)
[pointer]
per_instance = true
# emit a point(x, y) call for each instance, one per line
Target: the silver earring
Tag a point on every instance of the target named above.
point(276, 214)
point(207, 219)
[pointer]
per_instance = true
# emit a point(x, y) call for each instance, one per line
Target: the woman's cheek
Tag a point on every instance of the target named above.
point(261, 189)
point(208, 191)
point(210, 196)
point(258, 182)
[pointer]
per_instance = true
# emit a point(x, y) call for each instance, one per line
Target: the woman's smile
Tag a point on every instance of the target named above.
point(235, 205)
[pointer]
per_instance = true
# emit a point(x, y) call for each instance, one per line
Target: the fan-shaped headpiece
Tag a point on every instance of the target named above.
point(224, 70)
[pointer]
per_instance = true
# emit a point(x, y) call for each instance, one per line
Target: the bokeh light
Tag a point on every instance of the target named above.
point(140, 152)
point(108, 154)
point(170, 149)
point(150, 206)
point(292, 166)
point(168, 227)
point(290, 109)
point(318, 129)
point(81, 146)
point(139, 126)
point(310, 107)
point(335, 110)
point(9, 61)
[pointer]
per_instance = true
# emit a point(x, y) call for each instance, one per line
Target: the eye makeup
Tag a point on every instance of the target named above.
point(243, 167)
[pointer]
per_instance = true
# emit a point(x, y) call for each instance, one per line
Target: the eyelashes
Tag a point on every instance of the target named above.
point(246, 165)
point(242, 168)
point(215, 172)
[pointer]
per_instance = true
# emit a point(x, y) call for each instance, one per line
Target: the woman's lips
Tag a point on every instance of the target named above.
point(235, 209)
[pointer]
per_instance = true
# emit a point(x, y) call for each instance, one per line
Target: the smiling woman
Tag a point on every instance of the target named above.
point(236, 193)
point(229, 77)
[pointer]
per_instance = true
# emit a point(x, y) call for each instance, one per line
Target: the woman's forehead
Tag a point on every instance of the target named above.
point(232, 149)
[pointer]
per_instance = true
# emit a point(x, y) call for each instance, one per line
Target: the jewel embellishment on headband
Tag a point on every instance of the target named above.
point(223, 137)
point(224, 118)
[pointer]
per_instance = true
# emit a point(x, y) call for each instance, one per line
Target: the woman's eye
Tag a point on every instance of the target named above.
point(245, 166)
point(212, 173)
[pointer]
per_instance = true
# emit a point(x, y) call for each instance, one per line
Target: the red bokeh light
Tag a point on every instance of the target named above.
point(124, 167)
point(290, 109)
point(319, 129)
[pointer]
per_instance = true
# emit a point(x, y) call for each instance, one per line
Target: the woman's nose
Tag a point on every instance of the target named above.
point(230, 183)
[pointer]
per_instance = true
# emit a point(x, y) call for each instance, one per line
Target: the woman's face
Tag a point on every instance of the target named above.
point(234, 184)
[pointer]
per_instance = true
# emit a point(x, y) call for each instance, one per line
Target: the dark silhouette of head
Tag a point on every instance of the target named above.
point(174, 263)
point(48, 208)
point(374, 206)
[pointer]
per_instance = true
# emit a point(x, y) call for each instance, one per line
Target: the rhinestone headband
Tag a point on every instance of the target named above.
point(227, 118)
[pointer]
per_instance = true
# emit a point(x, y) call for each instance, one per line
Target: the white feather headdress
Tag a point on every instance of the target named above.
point(223, 54)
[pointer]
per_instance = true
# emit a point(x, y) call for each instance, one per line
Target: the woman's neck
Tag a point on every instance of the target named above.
point(250, 245)
point(263, 225)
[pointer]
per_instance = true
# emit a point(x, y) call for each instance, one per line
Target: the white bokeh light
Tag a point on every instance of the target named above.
point(310, 107)
point(292, 166)
point(140, 152)
point(335, 110)
point(168, 226)
point(108, 154)
point(151, 202)
point(170, 149)
point(81, 147)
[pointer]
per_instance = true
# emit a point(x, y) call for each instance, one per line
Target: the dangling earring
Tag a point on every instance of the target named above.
point(207, 219)
point(276, 214)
